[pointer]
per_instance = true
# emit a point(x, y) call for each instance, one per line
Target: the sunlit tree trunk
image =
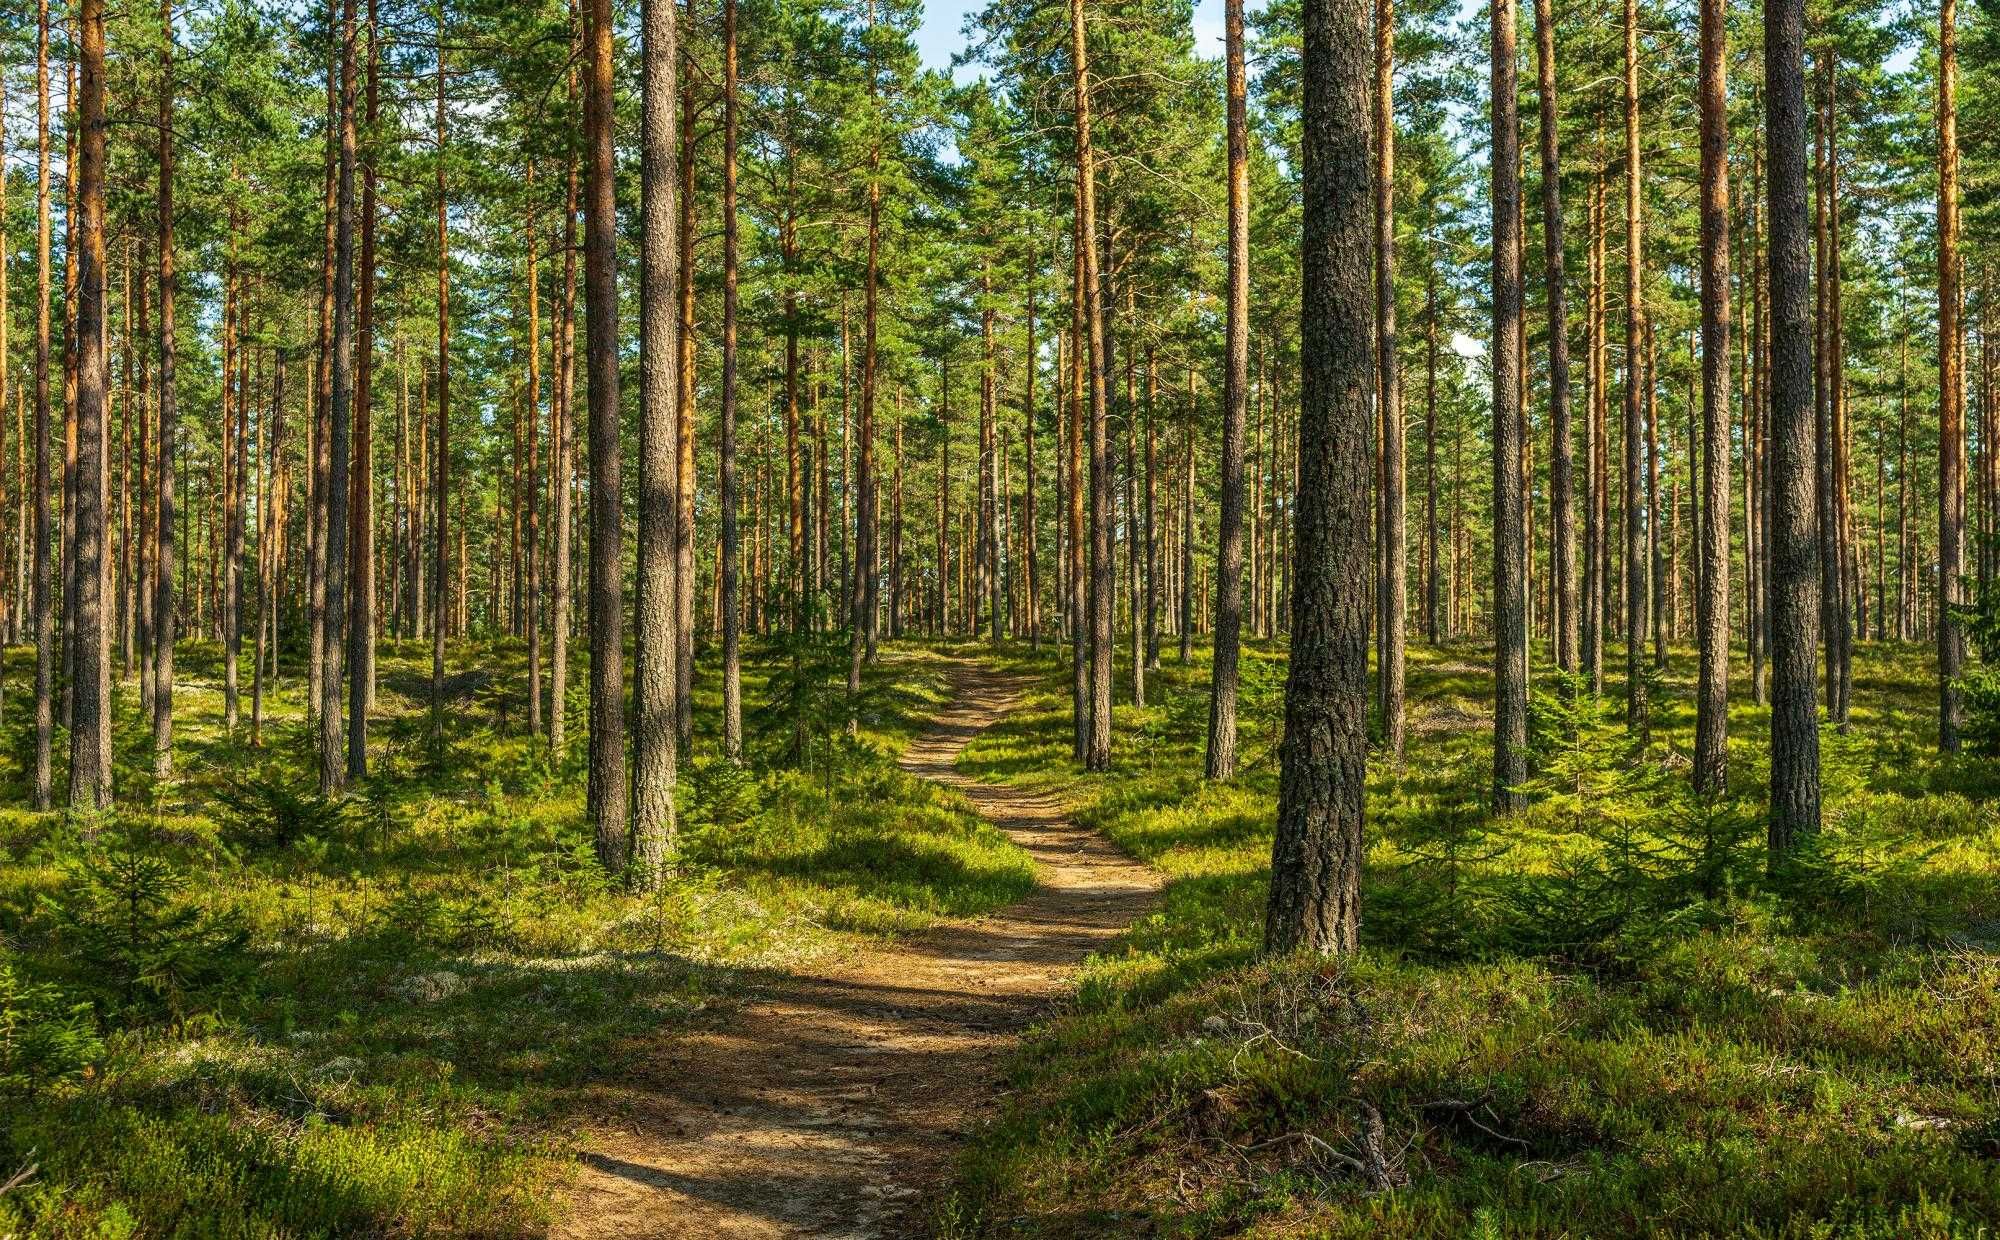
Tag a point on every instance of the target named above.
point(1316, 856)
point(1794, 585)
point(90, 734)
point(654, 749)
point(1510, 616)
point(1228, 624)
point(609, 791)
point(1951, 396)
point(1711, 742)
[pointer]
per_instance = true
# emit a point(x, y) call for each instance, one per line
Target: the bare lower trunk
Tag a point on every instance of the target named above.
point(1316, 856)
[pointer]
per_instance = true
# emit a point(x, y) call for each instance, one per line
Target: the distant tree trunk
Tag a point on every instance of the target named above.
point(684, 441)
point(1562, 500)
point(1711, 741)
point(1655, 527)
point(1079, 628)
point(1221, 758)
point(1389, 392)
point(1795, 787)
point(361, 535)
point(1592, 613)
point(1152, 528)
point(1097, 751)
point(654, 742)
point(533, 481)
point(1030, 553)
point(1637, 715)
point(609, 790)
point(1316, 857)
point(862, 599)
point(45, 631)
point(332, 732)
point(440, 473)
point(988, 559)
point(1510, 601)
point(562, 436)
point(236, 389)
point(1951, 396)
point(90, 735)
point(1433, 580)
point(732, 609)
point(1189, 532)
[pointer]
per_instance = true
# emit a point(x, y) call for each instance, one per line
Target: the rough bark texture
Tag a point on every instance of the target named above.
point(1389, 391)
point(1228, 622)
point(163, 603)
point(654, 748)
point(1317, 853)
point(732, 551)
point(1510, 595)
point(90, 728)
point(361, 534)
point(1097, 747)
point(608, 791)
point(1637, 714)
point(1711, 729)
point(1794, 548)
point(1951, 396)
point(332, 717)
point(1562, 500)
point(45, 628)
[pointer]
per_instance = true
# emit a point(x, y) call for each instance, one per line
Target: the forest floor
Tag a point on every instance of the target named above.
point(832, 1102)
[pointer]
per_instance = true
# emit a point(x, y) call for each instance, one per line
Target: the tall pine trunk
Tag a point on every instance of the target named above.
point(609, 791)
point(1711, 740)
point(1510, 599)
point(1228, 625)
point(1316, 856)
point(654, 742)
point(1794, 584)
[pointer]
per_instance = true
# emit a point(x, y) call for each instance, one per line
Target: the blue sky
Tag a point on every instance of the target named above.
point(940, 36)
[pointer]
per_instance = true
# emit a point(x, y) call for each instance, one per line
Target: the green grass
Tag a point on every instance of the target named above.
point(430, 980)
point(1811, 1057)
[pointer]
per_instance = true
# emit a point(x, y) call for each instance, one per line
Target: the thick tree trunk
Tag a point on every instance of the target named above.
point(609, 791)
point(1711, 740)
point(440, 473)
point(654, 749)
point(90, 734)
point(1316, 856)
point(1228, 624)
point(1794, 585)
point(1097, 750)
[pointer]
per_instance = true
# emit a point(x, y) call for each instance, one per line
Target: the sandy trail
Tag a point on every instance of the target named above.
point(833, 1101)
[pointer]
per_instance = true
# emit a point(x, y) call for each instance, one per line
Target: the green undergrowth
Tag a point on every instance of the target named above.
point(1599, 1017)
point(234, 1009)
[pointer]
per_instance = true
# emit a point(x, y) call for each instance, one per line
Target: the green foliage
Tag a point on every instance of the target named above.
point(44, 1039)
point(139, 943)
point(265, 810)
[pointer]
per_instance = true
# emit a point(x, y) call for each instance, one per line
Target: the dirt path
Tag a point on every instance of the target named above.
point(832, 1102)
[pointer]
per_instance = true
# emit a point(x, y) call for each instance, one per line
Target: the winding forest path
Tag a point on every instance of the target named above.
point(832, 1103)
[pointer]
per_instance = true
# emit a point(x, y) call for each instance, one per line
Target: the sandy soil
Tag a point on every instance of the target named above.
point(832, 1102)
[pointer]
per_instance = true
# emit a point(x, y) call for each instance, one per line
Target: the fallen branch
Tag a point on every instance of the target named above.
point(1467, 1111)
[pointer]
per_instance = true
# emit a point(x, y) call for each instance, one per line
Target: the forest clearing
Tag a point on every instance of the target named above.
point(1067, 618)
